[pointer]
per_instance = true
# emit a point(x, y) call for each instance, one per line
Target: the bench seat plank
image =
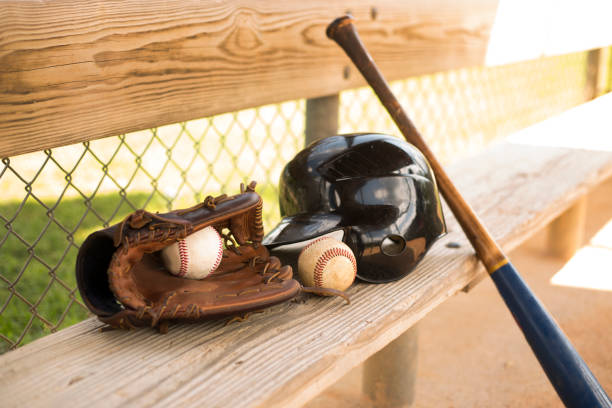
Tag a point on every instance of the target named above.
point(291, 352)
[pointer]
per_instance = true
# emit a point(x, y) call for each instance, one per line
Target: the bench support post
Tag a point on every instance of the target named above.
point(321, 117)
point(389, 376)
point(566, 232)
point(597, 72)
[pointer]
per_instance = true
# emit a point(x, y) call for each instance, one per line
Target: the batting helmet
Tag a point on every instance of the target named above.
point(378, 190)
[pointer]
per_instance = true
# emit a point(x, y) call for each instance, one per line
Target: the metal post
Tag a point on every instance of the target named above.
point(603, 71)
point(389, 376)
point(598, 61)
point(566, 233)
point(321, 117)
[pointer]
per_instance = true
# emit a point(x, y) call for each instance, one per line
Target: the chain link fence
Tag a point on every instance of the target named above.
point(458, 112)
point(53, 199)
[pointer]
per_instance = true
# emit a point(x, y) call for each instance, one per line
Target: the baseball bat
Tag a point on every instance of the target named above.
point(570, 376)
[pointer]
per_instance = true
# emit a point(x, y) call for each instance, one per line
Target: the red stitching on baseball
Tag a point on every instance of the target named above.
point(314, 242)
point(219, 252)
point(326, 257)
point(183, 256)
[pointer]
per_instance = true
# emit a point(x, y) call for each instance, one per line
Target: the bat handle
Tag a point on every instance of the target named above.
point(342, 31)
point(568, 373)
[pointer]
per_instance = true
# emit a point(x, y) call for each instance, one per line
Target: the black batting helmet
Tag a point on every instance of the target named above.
point(378, 190)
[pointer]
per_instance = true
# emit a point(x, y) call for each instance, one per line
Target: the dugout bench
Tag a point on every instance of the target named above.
point(141, 66)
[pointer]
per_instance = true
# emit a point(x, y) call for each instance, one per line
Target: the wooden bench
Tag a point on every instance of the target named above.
point(289, 353)
point(83, 73)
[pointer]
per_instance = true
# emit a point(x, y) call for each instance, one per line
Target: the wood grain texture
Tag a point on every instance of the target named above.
point(291, 352)
point(76, 70)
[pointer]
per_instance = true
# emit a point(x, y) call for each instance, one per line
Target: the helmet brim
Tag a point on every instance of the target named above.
point(302, 227)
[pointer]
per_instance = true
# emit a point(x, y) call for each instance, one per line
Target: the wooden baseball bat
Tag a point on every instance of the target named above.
point(568, 373)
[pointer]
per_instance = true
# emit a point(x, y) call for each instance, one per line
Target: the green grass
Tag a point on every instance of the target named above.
point(40, 265)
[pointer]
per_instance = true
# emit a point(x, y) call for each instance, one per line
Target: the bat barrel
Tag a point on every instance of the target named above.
point(568, 373)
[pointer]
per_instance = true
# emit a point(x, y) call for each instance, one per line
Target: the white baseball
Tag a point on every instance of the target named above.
point(196, 256)
point(327, 263)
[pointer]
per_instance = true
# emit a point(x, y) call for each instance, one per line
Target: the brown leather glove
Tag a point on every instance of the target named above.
point(123, 280)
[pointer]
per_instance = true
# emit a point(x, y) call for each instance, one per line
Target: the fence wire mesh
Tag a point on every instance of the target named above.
point(53, 199)
point(458, 112)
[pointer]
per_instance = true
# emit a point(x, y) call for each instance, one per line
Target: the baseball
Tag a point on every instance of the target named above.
point(196, 256)
point(327, 263)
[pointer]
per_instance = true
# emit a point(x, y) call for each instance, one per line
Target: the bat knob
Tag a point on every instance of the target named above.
point(337, 24)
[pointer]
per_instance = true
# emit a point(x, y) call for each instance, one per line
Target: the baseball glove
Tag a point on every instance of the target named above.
point(123, 280)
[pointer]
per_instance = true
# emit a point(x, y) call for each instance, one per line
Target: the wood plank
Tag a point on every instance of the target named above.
point(291, 352)
point(76, 70)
